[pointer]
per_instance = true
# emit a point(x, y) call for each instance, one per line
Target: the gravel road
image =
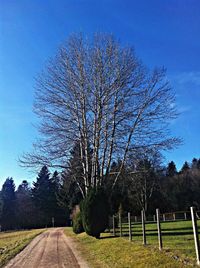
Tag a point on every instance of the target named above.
point(50, 249)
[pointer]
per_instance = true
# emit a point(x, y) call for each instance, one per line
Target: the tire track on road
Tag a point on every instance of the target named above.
point(22, 257)
point(51, 249)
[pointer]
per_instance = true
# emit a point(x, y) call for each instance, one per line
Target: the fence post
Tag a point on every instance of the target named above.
point(113, 218)
point(163, 217)
point(154, 217)
point(174, 216)
point(129, 225)
point(185, 215)
point(135, 218)
point(143, 227)
point(195, 231)
point(159, 229)
point(120, 224)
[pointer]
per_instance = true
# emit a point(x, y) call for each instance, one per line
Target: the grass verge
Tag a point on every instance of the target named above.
point(120, 253)
point(11, 243)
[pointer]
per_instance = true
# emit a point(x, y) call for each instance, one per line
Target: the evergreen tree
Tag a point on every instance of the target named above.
point(40, 194)
point(75, 171)
point(185, 167)
point(69, 193)
point(58, 213)
point(198, 164)
point(95, 212)
point(171, 169)
point(26, 212)
point(194, 163)
point(53, 191)
point(1, 207)
point(71, 190)
point(8, 217)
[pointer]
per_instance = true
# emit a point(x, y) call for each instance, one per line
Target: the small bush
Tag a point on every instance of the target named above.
point(77, 224)
point(95, 212)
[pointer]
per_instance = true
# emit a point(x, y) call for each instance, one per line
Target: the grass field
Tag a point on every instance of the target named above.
point(118, 252)
point(12, 243)
point(177, 237)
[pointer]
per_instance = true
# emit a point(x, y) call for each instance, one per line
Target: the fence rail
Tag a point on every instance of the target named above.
point(168, 216)
point(158, 227)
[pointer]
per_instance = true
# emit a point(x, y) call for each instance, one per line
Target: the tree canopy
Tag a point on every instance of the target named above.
point(97, 93)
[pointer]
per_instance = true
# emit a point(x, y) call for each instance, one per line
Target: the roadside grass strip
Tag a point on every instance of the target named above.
point(118, 252)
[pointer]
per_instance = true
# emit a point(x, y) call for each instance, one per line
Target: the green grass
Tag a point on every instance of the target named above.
point(177, 237)
point(118, 252)
point(12, 243)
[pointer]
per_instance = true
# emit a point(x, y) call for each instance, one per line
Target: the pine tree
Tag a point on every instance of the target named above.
point(40, 194)
point(171, 169)
point(58, 214)
point(185, 167)
point(71, 190)
point(26, 212)
point(8, 215)
point(194, 163)
point(1, 207)
point(198, 164)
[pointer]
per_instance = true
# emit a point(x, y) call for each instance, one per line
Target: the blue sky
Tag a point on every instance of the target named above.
point(164, 33)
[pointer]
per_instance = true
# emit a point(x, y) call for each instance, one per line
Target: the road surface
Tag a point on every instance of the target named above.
point(50, 249)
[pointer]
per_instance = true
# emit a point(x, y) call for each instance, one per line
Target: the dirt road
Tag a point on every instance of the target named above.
point(50, 249)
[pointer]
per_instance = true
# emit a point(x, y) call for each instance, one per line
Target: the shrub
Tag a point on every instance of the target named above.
point(77, 223)
point(95, 212)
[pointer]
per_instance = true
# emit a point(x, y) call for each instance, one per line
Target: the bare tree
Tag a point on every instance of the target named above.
point(143, 180)
point(99, 94)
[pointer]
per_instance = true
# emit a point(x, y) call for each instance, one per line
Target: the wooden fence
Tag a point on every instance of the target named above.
point(168, 216)
point(123, 225)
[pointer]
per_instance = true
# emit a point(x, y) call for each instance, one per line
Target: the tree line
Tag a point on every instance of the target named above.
point(144, 183)
point(152, 187)
point(32, 207)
